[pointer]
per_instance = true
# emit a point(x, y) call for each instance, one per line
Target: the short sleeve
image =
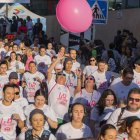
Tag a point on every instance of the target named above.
point(50, 113)
point(60, 135)
point(50, 84)
point(20, 112)
point(21, 136)
point(85, 70)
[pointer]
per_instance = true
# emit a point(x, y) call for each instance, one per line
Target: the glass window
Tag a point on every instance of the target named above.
point(133, 3)
point(111, 4)
point(115, 4)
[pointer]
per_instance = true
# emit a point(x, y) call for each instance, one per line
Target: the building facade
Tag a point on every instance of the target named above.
point(124, 4)
point(47, 7)
point(43, 7)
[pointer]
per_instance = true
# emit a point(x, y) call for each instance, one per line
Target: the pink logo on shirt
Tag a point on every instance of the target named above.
point(6, 125)
point(62, 98)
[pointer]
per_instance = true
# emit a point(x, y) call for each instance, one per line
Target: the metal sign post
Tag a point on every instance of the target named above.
point(100, 14)
point(7, 10)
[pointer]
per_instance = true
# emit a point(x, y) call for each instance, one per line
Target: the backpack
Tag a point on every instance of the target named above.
point(119, 122)
point(45, 135)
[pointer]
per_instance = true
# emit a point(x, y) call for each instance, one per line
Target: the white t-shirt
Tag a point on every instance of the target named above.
point(58, 98)
point(123, 136)
point(16, 65)
point(51, 52)
point(136, 79)
point(89, 70)
point(67, 131)
point(42, 62)
point(8, 125)
point(3, 80)
point(22, 102)
point(46, 59)
point(121, 90)
point(114, 116)
point(86, 98)
point(2, 50)
point(53, 75)
point(8, 53)
point(47, 111)
point(21, 91)
point(71, 82)
point(102, 80)
point(19, 52)
point(32, 85)
point(75, 66)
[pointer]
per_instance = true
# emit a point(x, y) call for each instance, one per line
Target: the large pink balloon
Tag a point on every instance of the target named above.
point(74, 15)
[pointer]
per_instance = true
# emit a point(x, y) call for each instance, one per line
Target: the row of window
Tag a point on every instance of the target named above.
point(123, 4)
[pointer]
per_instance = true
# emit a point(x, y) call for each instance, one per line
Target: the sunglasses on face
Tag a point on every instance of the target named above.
point(61, 74)
point(59, 69)
point(134, 99)
point(92, 60)
point(89, 78)
point(17, 93)
point(23, 49)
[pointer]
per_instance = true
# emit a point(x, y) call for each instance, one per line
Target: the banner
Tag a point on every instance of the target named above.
point(22, 12)
point(72, 40)
point(14, 1)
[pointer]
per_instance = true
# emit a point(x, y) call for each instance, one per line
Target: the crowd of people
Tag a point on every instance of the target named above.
point(49, 93)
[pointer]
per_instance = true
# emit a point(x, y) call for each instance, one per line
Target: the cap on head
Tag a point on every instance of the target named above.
point(13, 75)
point(59, 66)
point(60, 74)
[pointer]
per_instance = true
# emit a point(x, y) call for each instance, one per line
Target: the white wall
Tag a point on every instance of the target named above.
point(53, 27)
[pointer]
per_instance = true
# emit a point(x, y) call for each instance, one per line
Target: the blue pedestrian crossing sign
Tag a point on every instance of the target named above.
point(99, 10)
